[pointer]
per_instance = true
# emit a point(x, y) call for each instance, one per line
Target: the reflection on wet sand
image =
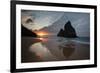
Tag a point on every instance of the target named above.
point(68, 48)
point(41, 51)
point(44, 49)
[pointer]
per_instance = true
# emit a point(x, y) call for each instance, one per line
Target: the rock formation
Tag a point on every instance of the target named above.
point(26, 32)
point(68, 32)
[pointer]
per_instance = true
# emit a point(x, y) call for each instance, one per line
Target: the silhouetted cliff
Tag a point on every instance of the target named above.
point(26, 32)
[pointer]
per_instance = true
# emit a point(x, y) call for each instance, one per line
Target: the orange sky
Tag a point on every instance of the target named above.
point(42, 33)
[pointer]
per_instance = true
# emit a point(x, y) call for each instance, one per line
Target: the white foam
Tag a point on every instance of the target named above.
point(81, 42)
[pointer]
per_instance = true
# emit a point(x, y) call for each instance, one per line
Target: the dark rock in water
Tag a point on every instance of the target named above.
point(61, 32)
point(68, 31)
point(26, 32)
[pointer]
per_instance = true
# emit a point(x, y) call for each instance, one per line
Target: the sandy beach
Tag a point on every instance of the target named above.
point(45, 49)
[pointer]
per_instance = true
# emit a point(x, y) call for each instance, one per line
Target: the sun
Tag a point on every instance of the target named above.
point(41, 34)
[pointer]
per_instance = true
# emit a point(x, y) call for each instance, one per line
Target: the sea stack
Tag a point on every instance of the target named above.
point(68, 31)
point(26, 32)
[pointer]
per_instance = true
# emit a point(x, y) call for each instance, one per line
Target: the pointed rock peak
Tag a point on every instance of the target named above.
point(67, 25)
point(68, 32)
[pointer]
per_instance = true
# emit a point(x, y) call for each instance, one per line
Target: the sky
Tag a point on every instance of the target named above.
point(41, 19)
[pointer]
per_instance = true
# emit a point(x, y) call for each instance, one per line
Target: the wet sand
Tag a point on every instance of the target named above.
point(41, 50)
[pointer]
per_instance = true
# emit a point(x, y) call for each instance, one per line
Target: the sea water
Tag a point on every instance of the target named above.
point(83, 40)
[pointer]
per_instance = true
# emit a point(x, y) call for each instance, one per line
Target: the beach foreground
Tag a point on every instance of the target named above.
point(53, 49)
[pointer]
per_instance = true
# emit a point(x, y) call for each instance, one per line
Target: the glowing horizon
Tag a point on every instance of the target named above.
point(42, 33)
